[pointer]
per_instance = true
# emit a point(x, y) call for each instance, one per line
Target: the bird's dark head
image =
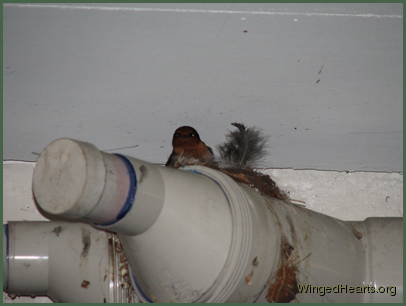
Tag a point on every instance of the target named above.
point(185, 135)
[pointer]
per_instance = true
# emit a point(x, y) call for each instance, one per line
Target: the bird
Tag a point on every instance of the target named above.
point(238, 154)
point(189, 149)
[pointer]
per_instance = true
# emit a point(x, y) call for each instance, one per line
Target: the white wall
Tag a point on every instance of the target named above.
point(323, 80)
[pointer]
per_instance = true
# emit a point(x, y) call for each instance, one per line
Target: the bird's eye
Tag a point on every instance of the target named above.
point(192, 135)
point(177, 135)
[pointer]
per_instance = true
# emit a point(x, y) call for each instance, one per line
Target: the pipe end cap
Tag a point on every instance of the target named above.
point(69, 178)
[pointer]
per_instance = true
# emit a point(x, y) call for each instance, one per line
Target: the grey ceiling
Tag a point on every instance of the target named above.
point(324, 81)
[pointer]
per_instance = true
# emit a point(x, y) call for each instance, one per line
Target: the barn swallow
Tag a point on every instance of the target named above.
point(188, 149)
point(241, 149)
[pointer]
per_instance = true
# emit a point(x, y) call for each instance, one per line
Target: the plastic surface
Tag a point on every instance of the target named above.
point(69, 262)
point(5, 255)
point(383, 260)
point(73, 179)
point(195, 235)
point(180, 256)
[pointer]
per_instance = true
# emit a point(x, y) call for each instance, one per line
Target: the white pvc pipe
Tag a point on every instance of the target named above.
point(383, 256)
point(195, 235)
point(68, 262)
point(75, 180)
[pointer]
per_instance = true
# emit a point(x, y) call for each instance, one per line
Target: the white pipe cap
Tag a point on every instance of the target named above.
point(5, 256)
point(69, 178)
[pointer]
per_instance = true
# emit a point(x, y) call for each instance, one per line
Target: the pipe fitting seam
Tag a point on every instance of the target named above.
point(242, 232)
point(132, 190)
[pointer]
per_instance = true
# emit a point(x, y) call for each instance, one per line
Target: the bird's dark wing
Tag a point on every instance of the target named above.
point(210, 150)
point(171, 160)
